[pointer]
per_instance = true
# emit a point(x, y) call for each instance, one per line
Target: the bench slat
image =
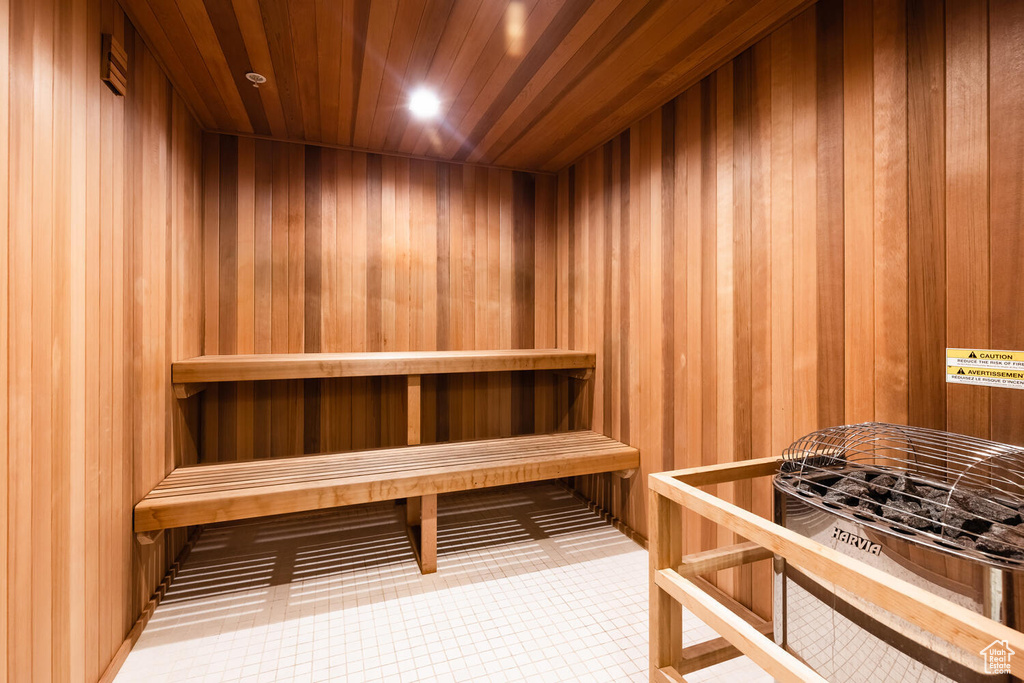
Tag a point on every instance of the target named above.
point(277, 366)
point(226, 491)
point(363, 467)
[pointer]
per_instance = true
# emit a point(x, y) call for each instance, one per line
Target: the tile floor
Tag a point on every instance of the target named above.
point(531, 586)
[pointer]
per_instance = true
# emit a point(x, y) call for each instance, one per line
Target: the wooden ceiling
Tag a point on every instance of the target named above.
point(528, 84)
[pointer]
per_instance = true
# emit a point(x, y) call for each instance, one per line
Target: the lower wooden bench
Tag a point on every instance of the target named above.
point(220, 492)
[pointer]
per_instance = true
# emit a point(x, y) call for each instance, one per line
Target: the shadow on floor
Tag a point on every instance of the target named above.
point(361, 554)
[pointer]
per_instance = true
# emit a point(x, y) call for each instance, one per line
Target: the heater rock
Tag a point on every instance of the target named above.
point(946, 518)
point(984, 508)
point(907, 513)
point(1003, 540)
point(882, 484)
point(904, 489)
point(847, 491)
point(859, 475)
point(868, 506)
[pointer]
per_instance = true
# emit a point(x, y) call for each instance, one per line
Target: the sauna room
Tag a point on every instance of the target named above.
point(511, 340)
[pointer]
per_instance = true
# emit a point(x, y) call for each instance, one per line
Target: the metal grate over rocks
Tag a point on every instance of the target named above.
point(959, 493)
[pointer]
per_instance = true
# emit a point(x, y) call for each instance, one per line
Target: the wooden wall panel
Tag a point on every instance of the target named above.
point(926, 214)
point(844, 204)
point(1006, 207)
point(889, 231)
point(317, 249)
point(968, 313)
point(99, 291)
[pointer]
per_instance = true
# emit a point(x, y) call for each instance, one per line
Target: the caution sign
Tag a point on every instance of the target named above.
point(986, 377)
point(985, 358)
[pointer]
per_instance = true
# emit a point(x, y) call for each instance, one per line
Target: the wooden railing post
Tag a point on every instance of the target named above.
point(666, 614)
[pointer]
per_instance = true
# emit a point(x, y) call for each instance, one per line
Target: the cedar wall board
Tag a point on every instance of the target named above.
point(100, 288)
point(791, 244)
point(311, 249)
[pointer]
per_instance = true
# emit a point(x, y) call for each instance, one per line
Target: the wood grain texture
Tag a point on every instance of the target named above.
point(100, 267)
point(523, 84)
point(926, 215)
point(968, 283)
point(1006, 173)
point(863, 171)
point(360, 253)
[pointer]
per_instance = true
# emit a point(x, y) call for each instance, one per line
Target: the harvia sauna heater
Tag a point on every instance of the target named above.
point(939, 510)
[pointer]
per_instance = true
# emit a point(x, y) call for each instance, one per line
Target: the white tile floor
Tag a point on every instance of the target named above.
point(531, 586)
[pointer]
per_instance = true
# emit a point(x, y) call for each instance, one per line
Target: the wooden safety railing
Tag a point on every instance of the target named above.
point(674, 582)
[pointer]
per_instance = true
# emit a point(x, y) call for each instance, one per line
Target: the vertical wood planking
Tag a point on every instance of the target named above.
point(761, 302)
point(870, 220)
point(892, 361)
point(967, 204)
point(99, 202)
point(830, 252)
point(42, 360)
point(858, 195)
point(742, 386)
point(926, 205)
point(805, 212)
point(694, 370)
point(782, 255)
point(5, 452)
point(245, 311)
point(725, 295)
point(19, 648)
point(1006, 173)
point(320, 249)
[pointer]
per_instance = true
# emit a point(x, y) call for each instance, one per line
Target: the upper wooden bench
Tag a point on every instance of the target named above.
point(218, 492)
point(190, 376)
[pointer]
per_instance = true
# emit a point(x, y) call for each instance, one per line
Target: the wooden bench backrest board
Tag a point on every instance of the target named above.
point(274, 366)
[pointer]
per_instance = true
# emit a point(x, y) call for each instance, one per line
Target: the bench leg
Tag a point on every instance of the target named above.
point(413, 511)
point(421, 516)
point(428, 534)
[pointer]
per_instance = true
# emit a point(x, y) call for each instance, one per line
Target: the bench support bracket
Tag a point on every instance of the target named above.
point(188, 389)
point(148, 537)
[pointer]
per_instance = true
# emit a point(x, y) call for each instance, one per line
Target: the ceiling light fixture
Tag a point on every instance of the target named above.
point(515, 28)
point(424, 103)
point(256, 79)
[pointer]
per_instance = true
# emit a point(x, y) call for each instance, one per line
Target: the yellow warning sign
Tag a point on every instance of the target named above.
point(985, 354)
point(985, 358)
point(989, 377)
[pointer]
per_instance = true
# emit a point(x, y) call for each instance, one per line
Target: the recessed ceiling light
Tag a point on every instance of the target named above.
point(424, 103)
point(515, 28)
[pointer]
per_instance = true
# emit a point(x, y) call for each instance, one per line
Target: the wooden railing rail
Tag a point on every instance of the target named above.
point(673, 582)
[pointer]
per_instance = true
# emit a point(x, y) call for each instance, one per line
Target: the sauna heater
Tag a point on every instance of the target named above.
point(938, 510)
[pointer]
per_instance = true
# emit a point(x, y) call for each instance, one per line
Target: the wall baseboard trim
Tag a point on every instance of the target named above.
point(136, 631)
